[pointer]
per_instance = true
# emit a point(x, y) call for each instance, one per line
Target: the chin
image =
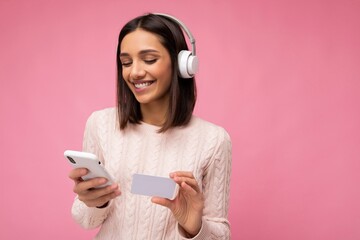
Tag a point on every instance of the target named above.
point(143, 100)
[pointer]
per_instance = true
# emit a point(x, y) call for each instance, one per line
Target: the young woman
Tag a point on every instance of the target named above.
point(153, 131)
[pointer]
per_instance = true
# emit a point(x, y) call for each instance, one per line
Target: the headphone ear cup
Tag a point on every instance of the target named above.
point(188, 64)
point(192, 65)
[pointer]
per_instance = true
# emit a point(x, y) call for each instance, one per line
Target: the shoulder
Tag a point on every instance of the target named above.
point(102, 118)
point(215, 140)
point(103, 114)
point(209, 129)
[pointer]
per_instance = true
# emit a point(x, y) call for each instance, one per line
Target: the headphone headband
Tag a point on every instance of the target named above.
point(187, 60)
point(186, 30)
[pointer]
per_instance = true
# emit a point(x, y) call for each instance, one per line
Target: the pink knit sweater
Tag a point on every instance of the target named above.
point(201, 147)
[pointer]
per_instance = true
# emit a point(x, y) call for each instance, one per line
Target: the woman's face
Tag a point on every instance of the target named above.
point(146, 67)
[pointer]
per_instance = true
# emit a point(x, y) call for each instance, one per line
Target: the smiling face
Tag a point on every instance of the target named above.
point(146, 67)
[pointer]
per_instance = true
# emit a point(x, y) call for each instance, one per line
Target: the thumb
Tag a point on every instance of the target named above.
point(162, 201)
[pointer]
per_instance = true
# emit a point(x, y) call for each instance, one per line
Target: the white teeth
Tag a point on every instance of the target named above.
point(142, 85)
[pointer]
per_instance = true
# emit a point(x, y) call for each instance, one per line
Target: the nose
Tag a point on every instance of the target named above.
point(137, 70)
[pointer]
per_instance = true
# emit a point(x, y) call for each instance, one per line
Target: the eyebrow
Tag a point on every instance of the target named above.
point(142, 52)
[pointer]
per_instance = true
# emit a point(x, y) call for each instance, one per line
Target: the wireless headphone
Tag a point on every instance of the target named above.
point(187, 60)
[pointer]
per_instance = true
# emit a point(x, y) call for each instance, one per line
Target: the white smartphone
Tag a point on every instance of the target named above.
point(154, 186)
point(90, 161)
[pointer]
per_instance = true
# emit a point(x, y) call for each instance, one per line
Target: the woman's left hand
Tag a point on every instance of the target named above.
point(188, 205)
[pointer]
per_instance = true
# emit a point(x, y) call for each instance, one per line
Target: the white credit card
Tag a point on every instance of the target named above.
point(154, 186)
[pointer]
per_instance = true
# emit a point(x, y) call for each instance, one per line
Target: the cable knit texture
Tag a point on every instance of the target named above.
point(200, 147)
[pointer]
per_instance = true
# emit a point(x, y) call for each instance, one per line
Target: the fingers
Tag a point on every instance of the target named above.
point(87, 185)
point(99, 194)
point(101, 200)
point(187, 178)
point(162, 201)
point(87, 191)
point(77, 173)
point(189, 189)
point(182, 174)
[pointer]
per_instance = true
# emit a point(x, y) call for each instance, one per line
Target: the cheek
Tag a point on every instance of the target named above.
point(167, 74)
point(124, 74)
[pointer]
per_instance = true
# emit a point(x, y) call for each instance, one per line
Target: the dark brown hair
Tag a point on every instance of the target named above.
point(182, 91)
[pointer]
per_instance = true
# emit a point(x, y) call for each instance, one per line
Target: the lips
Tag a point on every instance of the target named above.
point(142, 84)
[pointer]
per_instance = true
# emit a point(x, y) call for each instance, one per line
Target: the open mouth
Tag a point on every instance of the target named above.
point(143, 84)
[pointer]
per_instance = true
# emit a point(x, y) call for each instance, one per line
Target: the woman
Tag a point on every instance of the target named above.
point(153, 131)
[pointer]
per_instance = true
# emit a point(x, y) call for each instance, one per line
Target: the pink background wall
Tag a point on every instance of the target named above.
point(283, 77)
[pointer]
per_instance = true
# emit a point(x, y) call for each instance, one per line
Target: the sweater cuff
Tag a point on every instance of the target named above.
point(203, 234)
point(89, 217)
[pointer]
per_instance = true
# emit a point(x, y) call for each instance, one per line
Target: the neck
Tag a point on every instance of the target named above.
point(154, 114)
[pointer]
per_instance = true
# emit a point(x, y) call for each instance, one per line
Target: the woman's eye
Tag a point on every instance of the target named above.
point(150, 61)
point(126, 64)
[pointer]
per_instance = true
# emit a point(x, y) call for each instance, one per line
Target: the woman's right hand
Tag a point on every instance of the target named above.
point(87, 192)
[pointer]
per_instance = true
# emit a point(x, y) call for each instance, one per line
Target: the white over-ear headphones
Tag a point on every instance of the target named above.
point(187, 60)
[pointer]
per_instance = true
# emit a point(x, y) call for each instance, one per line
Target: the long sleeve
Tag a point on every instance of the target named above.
point(216, 184)
point(90, 217)
point(216, 190)
point(200, 147)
